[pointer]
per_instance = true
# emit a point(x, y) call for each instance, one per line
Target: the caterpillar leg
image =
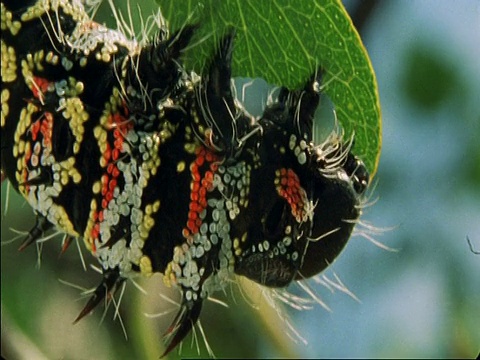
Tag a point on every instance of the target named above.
point(67, 240)
point(41, 225)
point(185, 319)
point(110, 284)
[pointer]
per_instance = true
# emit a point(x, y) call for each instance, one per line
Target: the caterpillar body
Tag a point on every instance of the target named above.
point(158, 169)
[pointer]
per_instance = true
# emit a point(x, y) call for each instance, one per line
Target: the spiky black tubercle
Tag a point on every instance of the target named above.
point(160, 170)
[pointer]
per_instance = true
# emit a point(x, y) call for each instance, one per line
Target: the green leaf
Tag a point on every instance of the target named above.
point(284, 41)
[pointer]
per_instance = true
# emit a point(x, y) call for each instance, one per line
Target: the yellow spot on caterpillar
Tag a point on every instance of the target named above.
point(97, 187)
point(83, 62)
point(148, 209)
point(88, 240)
point(7, 23)
point(169, 277)
point(236, 247)
point(146, 266)
point(77, 177)
point(5, 109)
point(8, 64)
point(58, 215)
point(190, 148)
point(244, 237)
point(181, 166)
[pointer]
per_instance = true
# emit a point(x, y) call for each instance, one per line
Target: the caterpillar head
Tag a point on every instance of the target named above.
point(309, 198)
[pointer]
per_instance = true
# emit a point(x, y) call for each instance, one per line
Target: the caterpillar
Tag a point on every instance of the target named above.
point(158, 169)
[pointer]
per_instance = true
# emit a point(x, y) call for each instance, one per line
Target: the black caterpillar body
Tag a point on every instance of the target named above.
point(160, 170)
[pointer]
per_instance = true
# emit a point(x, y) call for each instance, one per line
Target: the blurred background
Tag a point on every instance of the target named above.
point(422, 300)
